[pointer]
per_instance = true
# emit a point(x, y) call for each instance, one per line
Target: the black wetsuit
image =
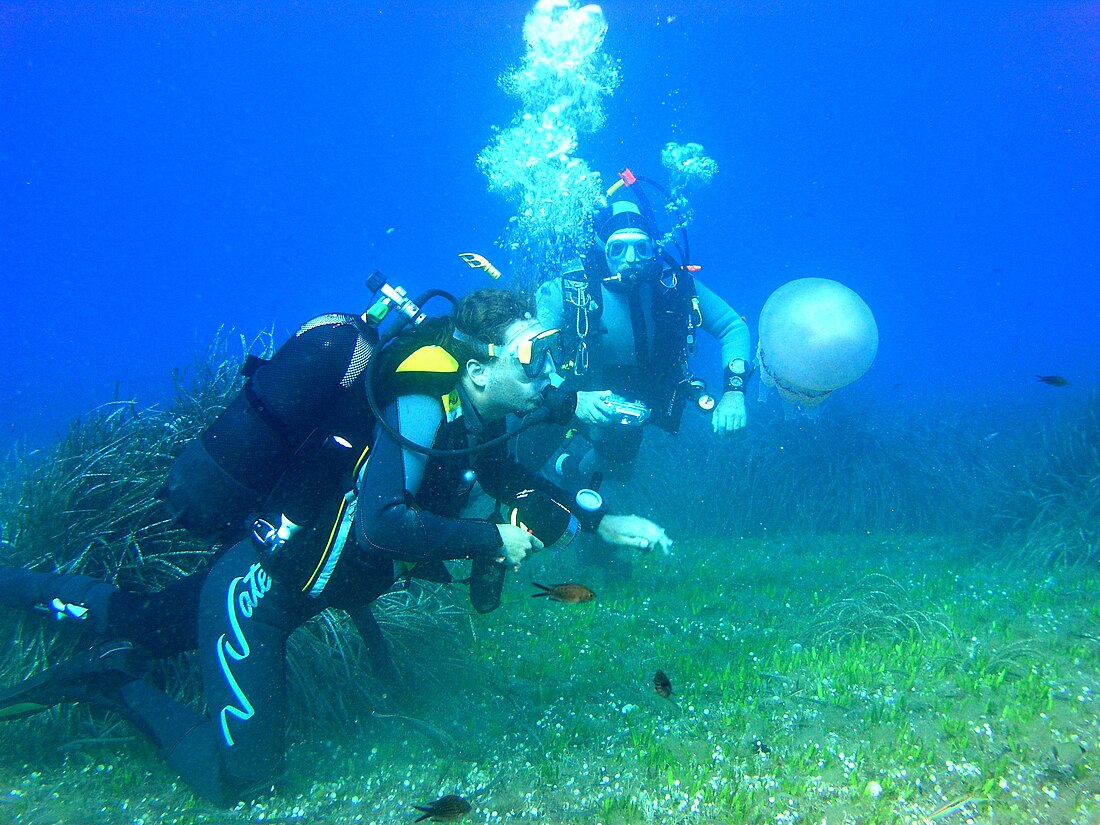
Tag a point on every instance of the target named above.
point(239, 615)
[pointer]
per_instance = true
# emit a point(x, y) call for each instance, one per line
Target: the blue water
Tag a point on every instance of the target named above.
point(171, 168)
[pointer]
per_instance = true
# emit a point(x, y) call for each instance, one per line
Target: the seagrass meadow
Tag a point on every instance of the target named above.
point(873, 617)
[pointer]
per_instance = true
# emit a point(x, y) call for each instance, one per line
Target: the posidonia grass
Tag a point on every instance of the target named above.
point(838, 666)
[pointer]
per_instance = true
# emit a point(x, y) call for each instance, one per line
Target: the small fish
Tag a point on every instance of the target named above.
point(1053, 380)
point(445, 809)
point(1064, 758)
point(662, 685)
point(953, 807)
point(570, 593)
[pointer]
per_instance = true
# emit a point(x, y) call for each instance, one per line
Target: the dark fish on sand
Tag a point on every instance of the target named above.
point(662, 685)
point(1053, 380)
point(445, 809)
point(570, 593)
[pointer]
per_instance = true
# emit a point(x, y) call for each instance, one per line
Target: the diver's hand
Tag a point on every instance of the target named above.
point(633, 531)
point(518, 544)
point(729, 416)
point(592, 407)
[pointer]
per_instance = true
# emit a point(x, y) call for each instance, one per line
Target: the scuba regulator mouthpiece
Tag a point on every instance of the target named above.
point(560, 405)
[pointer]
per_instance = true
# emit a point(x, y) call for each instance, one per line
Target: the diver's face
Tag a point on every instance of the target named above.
point(630, 254)
point(511, 386)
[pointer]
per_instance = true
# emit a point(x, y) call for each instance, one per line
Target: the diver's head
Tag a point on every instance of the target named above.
point(631, 257)
point(507, 356)
point(628, 246)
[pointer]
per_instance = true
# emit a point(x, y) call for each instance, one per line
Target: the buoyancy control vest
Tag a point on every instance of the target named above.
point(291, 443)
point(661, 373)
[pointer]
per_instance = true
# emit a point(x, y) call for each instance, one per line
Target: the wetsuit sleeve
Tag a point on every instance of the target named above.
point(720, 320)
point(548, 304)
point(390, 519)
point(501, 476)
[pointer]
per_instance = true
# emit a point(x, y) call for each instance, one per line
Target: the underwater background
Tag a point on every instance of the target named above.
point(168, 169)
point(882, 614)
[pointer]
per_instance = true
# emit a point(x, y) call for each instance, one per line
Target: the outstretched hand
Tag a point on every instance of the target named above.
point(634, 531)
point(729, 416)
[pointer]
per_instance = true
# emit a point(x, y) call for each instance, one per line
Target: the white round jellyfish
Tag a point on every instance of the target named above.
point(815, 336)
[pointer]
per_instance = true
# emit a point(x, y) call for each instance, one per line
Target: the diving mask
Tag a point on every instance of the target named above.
point(630, 247)
point(538, 354)
point(631, 258)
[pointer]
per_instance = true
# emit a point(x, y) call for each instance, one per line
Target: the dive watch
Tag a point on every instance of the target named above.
point(738, 372)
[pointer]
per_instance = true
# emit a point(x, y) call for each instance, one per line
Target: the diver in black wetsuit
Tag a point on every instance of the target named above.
point(407, 506)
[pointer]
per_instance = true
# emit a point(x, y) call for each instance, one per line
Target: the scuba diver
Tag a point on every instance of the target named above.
point(629, 313)
point(350, 454)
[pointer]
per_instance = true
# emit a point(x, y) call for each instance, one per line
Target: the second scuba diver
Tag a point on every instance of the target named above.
point(630, 313)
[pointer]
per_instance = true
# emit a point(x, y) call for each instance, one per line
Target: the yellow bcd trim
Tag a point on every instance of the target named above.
point(429, 359)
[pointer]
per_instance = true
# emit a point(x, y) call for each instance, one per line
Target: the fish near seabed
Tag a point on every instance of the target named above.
point(662, 684)
point(445, 809)
point(568, 593)
point(1053, 380)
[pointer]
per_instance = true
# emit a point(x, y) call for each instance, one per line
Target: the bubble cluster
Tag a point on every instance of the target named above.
point(561, 85)
point(688, 168)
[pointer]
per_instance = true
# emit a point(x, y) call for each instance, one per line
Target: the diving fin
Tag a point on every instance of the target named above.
point(93, 675)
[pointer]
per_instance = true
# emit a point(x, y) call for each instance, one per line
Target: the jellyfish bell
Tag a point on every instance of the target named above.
point(815, 336)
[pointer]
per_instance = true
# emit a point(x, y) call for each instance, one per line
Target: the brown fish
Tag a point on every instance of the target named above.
point(1053, 380)
point(662, 685)
point(571, 593)
point(445, 809)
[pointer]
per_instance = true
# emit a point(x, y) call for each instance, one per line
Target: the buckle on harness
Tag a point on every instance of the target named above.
point(580, 363)
point(61, 610)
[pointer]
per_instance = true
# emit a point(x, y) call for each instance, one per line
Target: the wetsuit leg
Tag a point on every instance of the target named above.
point(613, 453)
point(244, 621)
point(164, 623)
point(378, 649)
point(614, 450)
point(58, 595)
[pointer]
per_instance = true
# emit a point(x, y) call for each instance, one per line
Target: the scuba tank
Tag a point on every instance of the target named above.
point(232, 468)
point(293, 441)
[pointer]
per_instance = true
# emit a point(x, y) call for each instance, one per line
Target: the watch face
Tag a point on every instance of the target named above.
point(738, 366)
point(736, 382)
